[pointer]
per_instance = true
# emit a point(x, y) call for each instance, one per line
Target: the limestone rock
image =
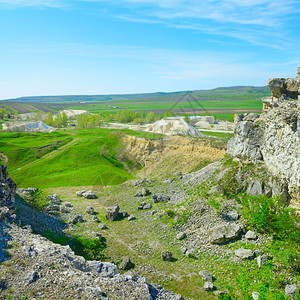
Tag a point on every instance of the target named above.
point(160, 198)
point(167, 256)
point(7, 189)
point(131, 218)
point(224, 233)
point(274, 136)
point(290, 290)
point(76, 219)
point(255, 296)
point(89, 195)
point(102, 226)
point(205, 275)
point(208, 286)
point(250, 235)
point(255, 188)
point(90, 210)
point(126, 264)
point(262, 259)
point(112, 213)
point(181, 236)
point(53, 199)
point(244, 253)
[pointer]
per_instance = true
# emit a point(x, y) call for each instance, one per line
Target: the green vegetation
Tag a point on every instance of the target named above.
point(68, 158)
point(89, 248)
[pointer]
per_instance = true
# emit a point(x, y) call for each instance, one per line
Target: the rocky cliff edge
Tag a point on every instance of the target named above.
point(273, 136)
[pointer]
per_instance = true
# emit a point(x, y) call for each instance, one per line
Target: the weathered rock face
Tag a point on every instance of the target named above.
point(7, 189)
point(274, 136)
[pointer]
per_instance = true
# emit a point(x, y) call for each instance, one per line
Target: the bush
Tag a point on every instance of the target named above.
point(270, 215)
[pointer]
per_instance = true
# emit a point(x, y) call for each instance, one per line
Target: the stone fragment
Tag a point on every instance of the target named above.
point(255, 188)
point(64, 209)
point(131, 218)
point(290, 290)
point(231, 215)
point(224, 233)
point(126, 263)
point(160, 198)
point(79, 193)
point(53, 199)
point(244, 253)
point(220, 294)
point(208, 286)
point(31, 277)
point(105, 269)
point(90, 210)
point(262, 259)
point(123, 215)
point(206, 276)
point(89, 195)
point(95, 219)
point(167, 256)
point(250, 235)
point(147, 206)
point(112, 213)
point(216, 190)
point(76, 219)
point(145, 192)
point(181, 236)
point(255, 296)
point(102, 226)
point(68, 204)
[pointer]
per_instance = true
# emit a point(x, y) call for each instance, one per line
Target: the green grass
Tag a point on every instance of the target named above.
point(91, 159)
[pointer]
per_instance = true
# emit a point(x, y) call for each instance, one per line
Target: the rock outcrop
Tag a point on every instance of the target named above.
point(7, 189)
point(273, 136)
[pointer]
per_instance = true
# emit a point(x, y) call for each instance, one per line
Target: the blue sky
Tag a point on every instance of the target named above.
point(55, 47)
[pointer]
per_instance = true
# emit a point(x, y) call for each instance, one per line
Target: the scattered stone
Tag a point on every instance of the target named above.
point(255, 296)
point(262, 259)
point(112, 213)
point(123, 215)
point(76, 219)
point(31, 277)
point(290, 291)
point(168, 180)
point(4, 211)
point(244, 253)
point(178, 174)
point(126, 263)
point(250, 235)
point(53, 199)
point(220, 294)
point(68, 204)
point(153, 212)
point(131, 218)
point(52, 207)
point(160, 198)
point(80, 193)
point(90, 210)
point(95, 219)
point(145, 192)
point(231, 215)
point(138, 194)
point(105, 269)
point(64, 209)
point(98, 235)
point(255, 188)
point(144, 205)
point(102, 226)
point(167, 256)
point(208, 286)
point(181, 236)
point(206, 276)
point(89, 195)
point(191, 253)
point(224, 233)
point(147, 206)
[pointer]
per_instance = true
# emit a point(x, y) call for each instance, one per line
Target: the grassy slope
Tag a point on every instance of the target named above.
point(91, 159)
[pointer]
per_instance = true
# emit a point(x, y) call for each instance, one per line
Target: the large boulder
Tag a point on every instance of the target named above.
point(112, 213)
point(224, 233)
point(7, 189)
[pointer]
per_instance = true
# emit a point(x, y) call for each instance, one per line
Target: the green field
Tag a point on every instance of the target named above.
point(67, 158)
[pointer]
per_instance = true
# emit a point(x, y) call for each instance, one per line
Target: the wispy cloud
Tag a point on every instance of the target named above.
point(33, 3)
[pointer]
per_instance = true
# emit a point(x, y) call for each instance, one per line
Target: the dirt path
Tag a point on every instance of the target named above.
point(49, 154)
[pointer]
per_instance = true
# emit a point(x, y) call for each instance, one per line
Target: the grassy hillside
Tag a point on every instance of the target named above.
point(67, 158)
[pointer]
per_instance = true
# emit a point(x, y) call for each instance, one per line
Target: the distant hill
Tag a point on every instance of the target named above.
point(221, 92)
